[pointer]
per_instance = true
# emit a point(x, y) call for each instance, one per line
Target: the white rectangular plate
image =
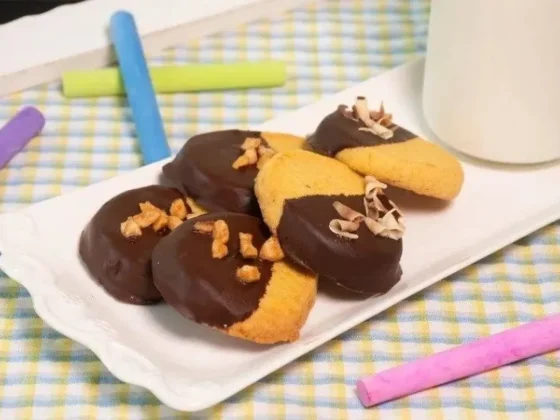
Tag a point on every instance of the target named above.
point(75, 36)
point(190, 367)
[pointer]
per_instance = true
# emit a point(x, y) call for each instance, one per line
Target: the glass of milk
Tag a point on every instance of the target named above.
point(492, 78)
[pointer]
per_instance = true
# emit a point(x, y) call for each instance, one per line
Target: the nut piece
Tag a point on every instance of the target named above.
point(178, 209)
point(146, 218)
point(251, 143)
point(195, 208)
point(248, 274)
point(204, 227)
point(161, 222)
point(173, 222)
point(271, 250)
point(130, 228)
point(193, 215)
point(246, 245)
point(146, 206)
point(248, 158)
point(265, 153)
point(220, 233)
point(219, 250)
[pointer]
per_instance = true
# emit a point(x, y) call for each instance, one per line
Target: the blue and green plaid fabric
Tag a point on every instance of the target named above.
point(328, 46)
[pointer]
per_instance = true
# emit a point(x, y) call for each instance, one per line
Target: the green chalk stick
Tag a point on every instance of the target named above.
point(173, 79)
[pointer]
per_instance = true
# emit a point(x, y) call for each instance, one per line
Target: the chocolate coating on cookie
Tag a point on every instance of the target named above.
point(203, 170)
point(123, 266)
point(205, 289)
point(337, 132)
point(369, 264)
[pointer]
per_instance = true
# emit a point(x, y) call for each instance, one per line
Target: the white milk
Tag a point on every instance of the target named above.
point(492, 78)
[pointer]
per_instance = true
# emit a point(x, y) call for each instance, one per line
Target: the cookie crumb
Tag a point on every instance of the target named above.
point(271, 250)
point(246, 246)
point(248, 274)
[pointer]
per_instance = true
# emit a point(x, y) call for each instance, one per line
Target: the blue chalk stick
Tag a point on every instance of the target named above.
point(139, 89)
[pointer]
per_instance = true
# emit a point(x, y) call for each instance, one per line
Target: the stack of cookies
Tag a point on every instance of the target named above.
point(251, 222)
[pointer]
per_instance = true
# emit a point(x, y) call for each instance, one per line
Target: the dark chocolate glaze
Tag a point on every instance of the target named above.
point(205, 289)
point(369, 264)
point(203, 170)
point(121, 266)
point(337, 132)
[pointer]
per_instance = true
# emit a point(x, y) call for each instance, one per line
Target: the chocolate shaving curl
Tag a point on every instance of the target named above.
point(388, 226)
point(347, 213)
point(378, 123)
point(344, 228)
point(380, 220)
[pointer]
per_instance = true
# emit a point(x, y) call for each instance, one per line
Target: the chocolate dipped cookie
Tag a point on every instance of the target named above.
point(224, 270)
point(218, 168)
point(116, 245)
point(370, 143)
point(332, 221)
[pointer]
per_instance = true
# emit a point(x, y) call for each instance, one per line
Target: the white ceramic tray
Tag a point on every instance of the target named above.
point(190, 367)
point(75, 36)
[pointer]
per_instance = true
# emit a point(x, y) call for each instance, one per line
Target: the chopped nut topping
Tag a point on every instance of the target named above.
point(161, 222)
point(173, 222)
point(246, 246)
point(130, 228)
point(271, 250)
point(344, 228)
point(219, 249)
point(220, 232)
point(146, 218)
point(254, 152)
point(204, 227)
point(195, 208)
point(251, 143)
point(193, 215)
point(246, 159)
point(248, 274)
point(178, 209)
point(265, 153)
point(146, 206)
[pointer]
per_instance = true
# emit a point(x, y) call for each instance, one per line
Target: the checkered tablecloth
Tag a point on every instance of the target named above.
point(328, 47)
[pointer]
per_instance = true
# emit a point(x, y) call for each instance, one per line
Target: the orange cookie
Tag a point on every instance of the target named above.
point(370, 143)
point(224, 270)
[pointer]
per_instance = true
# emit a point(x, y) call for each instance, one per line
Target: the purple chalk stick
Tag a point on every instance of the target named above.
point(17, 132)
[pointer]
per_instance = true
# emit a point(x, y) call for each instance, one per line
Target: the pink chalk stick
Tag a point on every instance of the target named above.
point(497, 350)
